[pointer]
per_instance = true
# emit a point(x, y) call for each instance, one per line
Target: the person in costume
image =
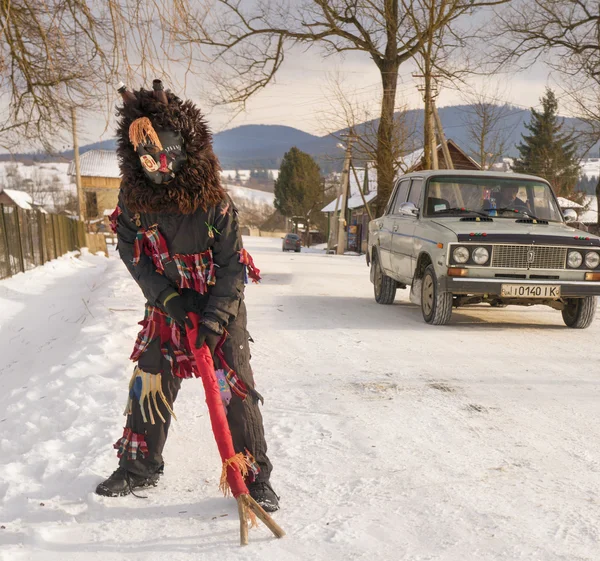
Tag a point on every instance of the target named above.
point(178, 235)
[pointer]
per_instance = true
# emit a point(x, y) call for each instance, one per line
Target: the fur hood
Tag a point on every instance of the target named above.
point(196, 185)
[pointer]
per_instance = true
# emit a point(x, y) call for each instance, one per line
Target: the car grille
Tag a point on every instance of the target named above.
point(517, 257)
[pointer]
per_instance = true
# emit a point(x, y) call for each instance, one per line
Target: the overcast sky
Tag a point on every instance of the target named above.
point(301, 97)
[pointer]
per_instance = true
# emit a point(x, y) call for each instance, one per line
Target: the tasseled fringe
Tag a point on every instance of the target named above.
point(238, 461)
point(141, 131)
point(148, 388)
point(131, 443)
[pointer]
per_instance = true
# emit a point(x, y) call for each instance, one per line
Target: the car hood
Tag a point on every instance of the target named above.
point(510, 226)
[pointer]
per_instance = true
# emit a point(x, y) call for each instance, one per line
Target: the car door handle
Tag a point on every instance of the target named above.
point(395, 228)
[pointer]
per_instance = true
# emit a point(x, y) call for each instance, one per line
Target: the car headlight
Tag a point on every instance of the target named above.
point(592, 260)
point(461, 254)
point(574, 259)
point(481, 255)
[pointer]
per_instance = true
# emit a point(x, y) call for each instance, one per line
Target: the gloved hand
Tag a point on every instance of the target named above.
point(175, 306)
point(208, 336)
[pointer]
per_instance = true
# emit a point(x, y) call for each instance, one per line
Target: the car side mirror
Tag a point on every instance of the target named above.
point(570, 215)
point(408, 209)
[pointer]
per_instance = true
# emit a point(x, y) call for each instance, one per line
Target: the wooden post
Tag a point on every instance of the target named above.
point(6, 245)
point(29, 214)
point(80, 198)
point(243, 513)
point(20, 240)
point(41, 231)
point(345, 194)
point(440, 130)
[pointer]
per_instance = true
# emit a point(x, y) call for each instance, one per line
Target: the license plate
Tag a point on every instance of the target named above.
point(530, 291)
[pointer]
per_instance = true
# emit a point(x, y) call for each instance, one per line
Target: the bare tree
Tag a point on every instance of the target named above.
point(251, 39)
point(566, 35)
point(60, 54)
point(488, 125)
point(348, 112)
point(38, 187)
point(435, 60)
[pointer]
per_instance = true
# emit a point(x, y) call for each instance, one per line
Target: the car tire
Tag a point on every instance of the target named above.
point(436, 306)
point(579, 312)
point(297, 251)
point(384, 287)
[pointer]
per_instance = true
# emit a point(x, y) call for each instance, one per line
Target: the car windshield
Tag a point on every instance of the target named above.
point(292, 236)
point(491, 196)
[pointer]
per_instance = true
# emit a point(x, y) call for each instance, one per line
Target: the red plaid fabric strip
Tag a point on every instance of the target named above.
point(131, 444)
point(173, 345)
point(253, 467)
point(196, 270)
point(252, 271)
point(153, 244)
point(235, 382)
point(113, 219)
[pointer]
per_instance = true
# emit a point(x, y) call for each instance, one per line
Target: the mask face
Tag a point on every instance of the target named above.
point(161, 165)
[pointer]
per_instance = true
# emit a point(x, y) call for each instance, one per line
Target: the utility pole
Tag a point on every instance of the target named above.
point(429, 90)
point(442, 137)
point(341, 246)
point(80, 198)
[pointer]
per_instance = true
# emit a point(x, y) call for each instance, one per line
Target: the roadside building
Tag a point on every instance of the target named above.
point(100, 181)
point(364, 192)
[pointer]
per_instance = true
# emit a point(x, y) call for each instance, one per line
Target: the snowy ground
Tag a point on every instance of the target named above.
point(391, 439)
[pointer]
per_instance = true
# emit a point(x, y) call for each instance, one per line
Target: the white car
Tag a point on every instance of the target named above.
point(466, 237)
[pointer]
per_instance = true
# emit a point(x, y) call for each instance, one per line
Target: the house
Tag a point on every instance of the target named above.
point(100, 181)
point(357, 218)
point(17, 198)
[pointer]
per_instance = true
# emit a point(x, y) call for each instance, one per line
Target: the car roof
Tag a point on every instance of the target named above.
point(426, 174)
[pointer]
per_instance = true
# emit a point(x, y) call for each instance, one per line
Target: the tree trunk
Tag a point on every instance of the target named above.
point(385, 136)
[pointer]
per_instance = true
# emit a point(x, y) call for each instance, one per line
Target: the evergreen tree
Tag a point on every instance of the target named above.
point(298, 189)
point(548, 151)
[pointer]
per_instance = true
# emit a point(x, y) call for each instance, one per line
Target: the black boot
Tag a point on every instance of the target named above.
point(263, 494)
point(123, 482)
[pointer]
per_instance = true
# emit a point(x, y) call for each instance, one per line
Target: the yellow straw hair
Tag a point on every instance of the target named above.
point(141, 131)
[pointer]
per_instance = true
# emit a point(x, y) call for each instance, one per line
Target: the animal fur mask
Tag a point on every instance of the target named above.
point(187, 182)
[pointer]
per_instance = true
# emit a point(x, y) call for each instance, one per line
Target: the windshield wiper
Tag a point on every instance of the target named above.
point(459, 209)
point(515, 210)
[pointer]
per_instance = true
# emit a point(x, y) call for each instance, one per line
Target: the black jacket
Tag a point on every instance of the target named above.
point(189, 234)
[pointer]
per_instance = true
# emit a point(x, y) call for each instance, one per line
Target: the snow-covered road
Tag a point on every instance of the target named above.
point(391, 439)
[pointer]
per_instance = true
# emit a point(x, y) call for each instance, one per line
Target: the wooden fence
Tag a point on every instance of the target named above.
point(29, 238)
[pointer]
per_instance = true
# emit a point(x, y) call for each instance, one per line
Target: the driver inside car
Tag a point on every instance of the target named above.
point(506, 198)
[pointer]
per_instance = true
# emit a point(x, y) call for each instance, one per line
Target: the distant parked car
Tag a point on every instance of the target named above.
point(466, 237)
point(291, 242)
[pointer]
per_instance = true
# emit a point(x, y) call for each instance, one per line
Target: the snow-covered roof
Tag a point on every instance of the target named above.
point(20, 198)
point(413, 159)
point(566, 203)
point(355, 200)
point(97, 163)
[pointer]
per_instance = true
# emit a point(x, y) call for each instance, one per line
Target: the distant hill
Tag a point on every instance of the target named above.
point(263, 146)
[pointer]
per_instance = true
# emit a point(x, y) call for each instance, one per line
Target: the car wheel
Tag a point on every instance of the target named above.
point(384, 286)
point(579, 313)
point(297, 251)
point(436, 306)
